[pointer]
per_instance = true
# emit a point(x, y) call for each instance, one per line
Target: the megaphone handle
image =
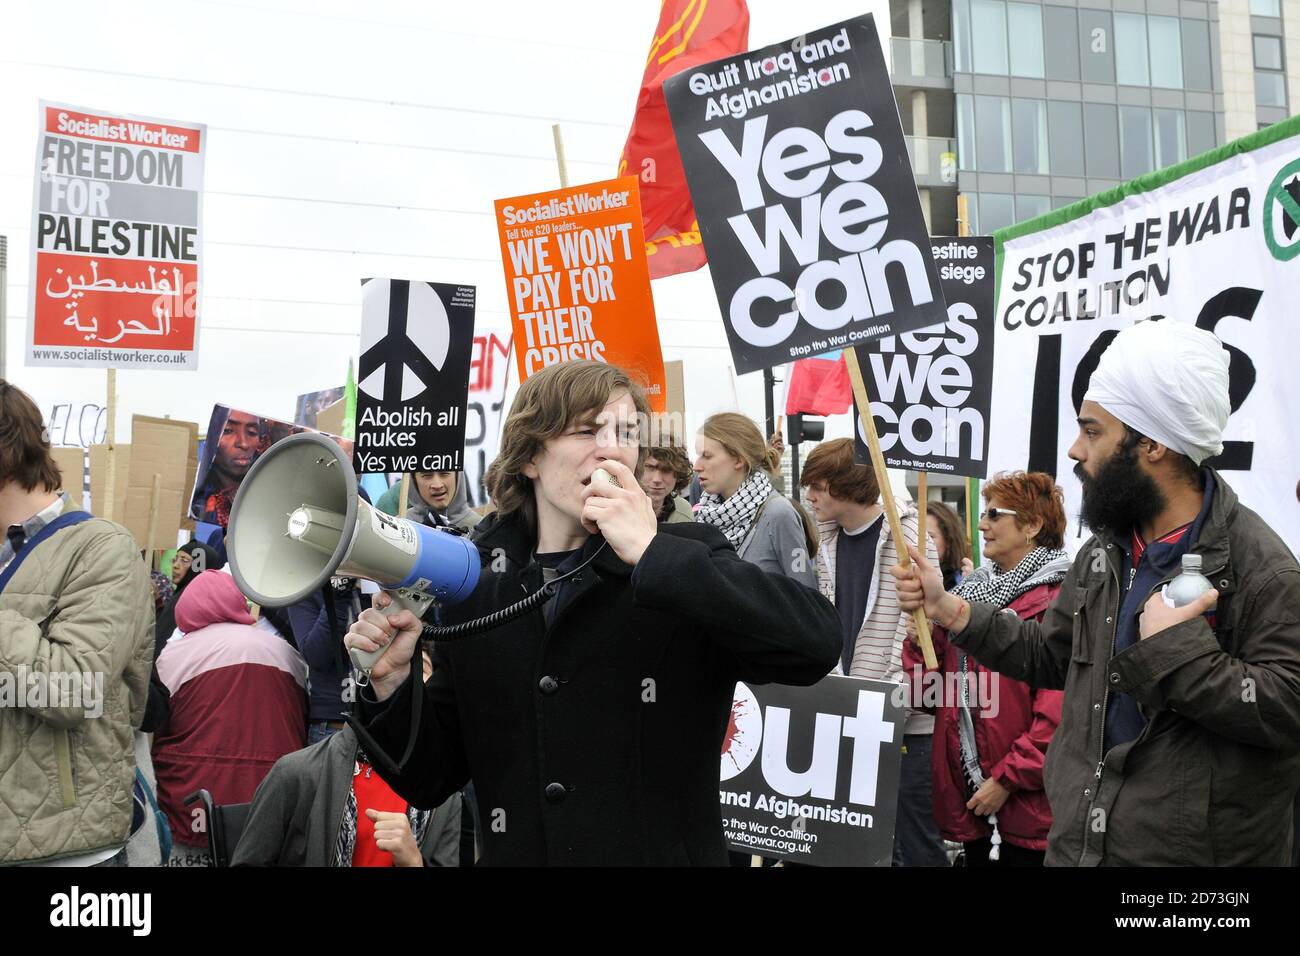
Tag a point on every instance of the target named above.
point(403, 599)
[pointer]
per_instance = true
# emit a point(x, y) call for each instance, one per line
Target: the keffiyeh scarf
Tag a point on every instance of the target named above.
point(990, 586)
point(734, 516)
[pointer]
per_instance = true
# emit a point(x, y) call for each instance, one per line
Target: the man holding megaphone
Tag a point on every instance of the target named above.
point(592, 724)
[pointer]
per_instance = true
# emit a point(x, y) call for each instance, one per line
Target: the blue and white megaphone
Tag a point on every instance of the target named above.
point(297, 521)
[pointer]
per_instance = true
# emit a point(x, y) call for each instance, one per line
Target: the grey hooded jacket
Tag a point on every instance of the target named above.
point(298, 809)
point(458, 513)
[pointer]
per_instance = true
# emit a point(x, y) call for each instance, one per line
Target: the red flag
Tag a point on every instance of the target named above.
point(690, 32)
point(819, 386)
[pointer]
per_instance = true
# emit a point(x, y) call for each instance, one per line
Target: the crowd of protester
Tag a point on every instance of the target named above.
point(1092, 723)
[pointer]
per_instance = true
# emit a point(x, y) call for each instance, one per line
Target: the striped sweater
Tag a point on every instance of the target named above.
point(878, 652)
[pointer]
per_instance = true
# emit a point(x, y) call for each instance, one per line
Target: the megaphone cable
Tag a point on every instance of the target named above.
point(539, 597)
point(452, 632)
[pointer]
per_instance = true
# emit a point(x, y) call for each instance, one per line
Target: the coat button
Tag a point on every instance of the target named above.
point(555, 792)
point(1087, 791)
point(1096, 706)
point(1114, 678)
point(548, 685)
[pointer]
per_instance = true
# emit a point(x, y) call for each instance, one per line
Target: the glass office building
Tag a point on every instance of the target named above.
point(1024, 107)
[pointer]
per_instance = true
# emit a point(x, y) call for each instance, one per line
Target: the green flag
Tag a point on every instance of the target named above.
point(350, 406)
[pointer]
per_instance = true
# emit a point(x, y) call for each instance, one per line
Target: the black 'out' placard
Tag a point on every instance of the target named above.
point(413, 377)
point(811, 773)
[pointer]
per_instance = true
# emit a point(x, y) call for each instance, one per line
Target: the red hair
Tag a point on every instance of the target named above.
point(1034, 496)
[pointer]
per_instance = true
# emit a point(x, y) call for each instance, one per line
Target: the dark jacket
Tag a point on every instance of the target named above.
point(596, 738)
point(298, 809)
point(323, 649)
point(1212, 778)
point(1012, 731)
point(159, 706)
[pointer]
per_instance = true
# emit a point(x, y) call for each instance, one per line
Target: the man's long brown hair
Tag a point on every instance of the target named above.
point(548, 404)
point(25, 457)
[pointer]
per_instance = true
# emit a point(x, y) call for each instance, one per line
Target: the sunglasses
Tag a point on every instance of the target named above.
point(993, 514)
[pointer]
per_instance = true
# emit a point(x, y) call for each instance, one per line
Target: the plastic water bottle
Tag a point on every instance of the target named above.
point(1189, 585)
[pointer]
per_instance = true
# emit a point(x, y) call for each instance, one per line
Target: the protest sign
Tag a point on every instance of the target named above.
point(1211, 242)
point(77, 423)
point(117, 241)
point(489, 369)
point(413, 376)
point(811, 773)
point(930, 389)
point(311, 404)
point(577, 281)
point(235, 440)
point(158, 479)
point(330, 419)
point(99, 458)
point(805, 196)
point(675, 379)
point(72, 469)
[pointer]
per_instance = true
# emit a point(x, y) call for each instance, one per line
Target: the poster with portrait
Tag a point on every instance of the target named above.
point(235, 440)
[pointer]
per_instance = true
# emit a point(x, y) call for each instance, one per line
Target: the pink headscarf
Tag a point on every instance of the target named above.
point(211, 598)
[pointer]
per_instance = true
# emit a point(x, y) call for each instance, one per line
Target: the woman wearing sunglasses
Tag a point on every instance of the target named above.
point(991, 732)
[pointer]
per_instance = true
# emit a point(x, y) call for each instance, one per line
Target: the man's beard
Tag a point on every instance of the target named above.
point(1121, 496)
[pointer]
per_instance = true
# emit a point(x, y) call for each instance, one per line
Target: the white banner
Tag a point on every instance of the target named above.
point(1212, 242)
point(489, 369)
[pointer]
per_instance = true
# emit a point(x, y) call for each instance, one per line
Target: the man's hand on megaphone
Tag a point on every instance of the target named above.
point(399, 631)
point(623, 513)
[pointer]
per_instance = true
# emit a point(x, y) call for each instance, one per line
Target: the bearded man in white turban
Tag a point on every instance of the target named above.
point(1179, 741)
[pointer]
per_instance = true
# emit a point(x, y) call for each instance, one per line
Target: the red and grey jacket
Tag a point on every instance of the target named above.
point(1014, 724)
point(238, 703)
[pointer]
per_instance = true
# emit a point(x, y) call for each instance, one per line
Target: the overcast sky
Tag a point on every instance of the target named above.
point(346, 143)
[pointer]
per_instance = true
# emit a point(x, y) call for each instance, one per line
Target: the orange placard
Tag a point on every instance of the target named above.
point(577, 281)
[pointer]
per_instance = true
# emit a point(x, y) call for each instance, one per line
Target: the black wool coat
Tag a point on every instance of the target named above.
point(593, 731)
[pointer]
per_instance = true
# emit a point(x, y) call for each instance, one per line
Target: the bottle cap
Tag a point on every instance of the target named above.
point(1192, 562)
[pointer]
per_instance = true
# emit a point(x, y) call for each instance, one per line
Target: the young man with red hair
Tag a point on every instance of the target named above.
point(856, 548)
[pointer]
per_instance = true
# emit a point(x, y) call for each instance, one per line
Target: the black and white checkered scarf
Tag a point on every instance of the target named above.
point(734, 515)
point(989, 585)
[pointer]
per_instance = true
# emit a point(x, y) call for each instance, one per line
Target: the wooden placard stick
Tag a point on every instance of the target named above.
point(559, 155)
point(110, 453)
point(973, 520)
point(972, 495)
point(922, 492)
point(403, 494)
point(887, 496)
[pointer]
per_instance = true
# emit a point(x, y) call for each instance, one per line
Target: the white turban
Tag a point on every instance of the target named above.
point(1167, 380)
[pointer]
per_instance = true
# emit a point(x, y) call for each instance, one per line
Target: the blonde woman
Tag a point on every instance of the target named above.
point(735, 467)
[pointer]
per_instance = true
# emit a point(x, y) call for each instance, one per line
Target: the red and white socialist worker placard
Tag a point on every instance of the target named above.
point(117, 237)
